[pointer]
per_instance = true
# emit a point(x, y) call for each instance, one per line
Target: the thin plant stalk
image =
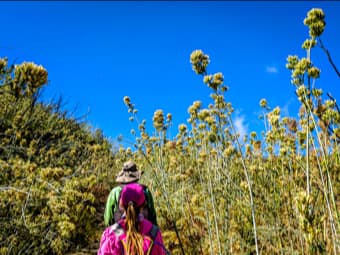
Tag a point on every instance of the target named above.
point(329, 179)
point(249, 186)
point(212, 198)
point(208, 220)
point(331, 219)
point(329, 57)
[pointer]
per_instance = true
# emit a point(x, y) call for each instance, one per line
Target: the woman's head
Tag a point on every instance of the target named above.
point(132, 193)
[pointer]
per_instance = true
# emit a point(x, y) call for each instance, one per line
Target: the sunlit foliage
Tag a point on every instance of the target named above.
point(51, 165)
point(215, 192)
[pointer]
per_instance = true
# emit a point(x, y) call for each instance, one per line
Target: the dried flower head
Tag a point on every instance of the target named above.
point(207, 79)
point(192, 110)
point(199, 61)
point(301, 67)
point(216, 80)
point(182, 128)
point(315, 20)
point(127, 100)
point(263, 103)
point(3, 63)
point(30, 77)
point(203, 114)
point(158, 120)
point(308, 44)
point(292, 61)
point(317, 92)
point(169, 117)
point(314, 72)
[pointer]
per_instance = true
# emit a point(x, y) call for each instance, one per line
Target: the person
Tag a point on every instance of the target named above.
point(132, 234)
point(129, 174)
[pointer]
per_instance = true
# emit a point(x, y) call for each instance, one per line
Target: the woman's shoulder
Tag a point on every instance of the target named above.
point(109, 233)
point(108, 242)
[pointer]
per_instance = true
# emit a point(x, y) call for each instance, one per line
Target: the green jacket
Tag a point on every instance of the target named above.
point(112, 206)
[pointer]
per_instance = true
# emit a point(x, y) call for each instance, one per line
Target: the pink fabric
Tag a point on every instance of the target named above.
point(132, 192)
point(109, 243)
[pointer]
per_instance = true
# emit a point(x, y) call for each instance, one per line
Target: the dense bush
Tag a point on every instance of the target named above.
point(50, 165)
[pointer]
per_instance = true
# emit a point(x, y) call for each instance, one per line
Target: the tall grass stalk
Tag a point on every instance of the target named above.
point(252, 205)
point(161, 183)
point(331, 219)
point(215, 213)
point(330, 193)
point(206, 211)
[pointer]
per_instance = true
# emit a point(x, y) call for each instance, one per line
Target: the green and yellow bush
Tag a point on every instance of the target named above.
point(215, 192)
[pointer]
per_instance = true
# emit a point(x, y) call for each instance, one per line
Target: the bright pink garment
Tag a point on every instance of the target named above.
point(109, 243)
point(132, 192)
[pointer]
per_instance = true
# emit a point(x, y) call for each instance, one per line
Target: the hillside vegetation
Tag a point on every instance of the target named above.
point(277, 192)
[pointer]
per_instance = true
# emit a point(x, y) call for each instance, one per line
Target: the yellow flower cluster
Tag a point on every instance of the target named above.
point(158, 120)
point(3, 63)
point(199, 61)
point(308, 44)
point(28, 78)
point(214, 81)
point(315, 20)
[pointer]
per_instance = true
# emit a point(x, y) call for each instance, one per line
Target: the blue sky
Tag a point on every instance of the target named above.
point(98, 52)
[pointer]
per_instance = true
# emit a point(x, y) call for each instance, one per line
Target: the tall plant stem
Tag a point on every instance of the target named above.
point(329, 57)
point(331, 219)
point(212, 198)
point(332, 223)
point(249, 186)
point(307, 133)
point(207, 217)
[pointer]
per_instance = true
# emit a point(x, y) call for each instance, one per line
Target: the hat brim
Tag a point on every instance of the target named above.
point(128, 177)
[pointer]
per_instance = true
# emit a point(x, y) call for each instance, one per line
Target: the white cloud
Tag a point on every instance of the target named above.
point(240, 126)
point(272, 69)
